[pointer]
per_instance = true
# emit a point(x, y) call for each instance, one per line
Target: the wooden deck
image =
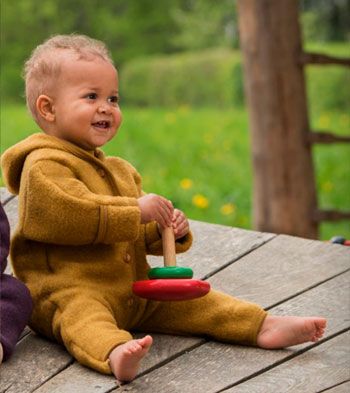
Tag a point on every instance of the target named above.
point(286, 275)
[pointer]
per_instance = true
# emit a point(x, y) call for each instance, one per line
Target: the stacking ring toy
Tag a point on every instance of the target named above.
point(171, 282)
point(170, 272)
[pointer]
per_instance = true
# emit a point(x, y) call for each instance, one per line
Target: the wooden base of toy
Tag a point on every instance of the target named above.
point(171, 289)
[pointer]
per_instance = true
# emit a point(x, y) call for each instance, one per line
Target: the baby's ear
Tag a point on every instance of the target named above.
point(45, 108)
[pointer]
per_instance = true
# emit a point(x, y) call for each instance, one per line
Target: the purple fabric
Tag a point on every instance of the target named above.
point(4, 239)
point(15, 300)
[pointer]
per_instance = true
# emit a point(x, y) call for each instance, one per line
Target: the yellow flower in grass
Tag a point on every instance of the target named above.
point(200, 201)
point(184, 109)
point(344, 120)
point(170, 118)
point(186, 184)
point(227, 209)
point(327, 186)
point(324, 121)
point(208, 138)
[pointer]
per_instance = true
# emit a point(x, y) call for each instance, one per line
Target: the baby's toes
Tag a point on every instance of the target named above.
point(138, 347)
point(127, 351)
point(320, 332)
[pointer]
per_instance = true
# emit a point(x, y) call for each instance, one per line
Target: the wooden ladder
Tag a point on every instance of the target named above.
point(284, 190)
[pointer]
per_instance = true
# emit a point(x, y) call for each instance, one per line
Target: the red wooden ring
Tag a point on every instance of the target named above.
point(171, 289)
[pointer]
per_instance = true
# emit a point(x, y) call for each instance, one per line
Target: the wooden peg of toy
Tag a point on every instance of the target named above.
point(169, 251)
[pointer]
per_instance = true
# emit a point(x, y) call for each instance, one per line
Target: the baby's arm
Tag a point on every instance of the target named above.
point(57, 207)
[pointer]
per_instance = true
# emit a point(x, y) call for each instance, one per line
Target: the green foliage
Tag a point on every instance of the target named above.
point(130, 28)
point(138, 28)
point(215, 78)
point(328, 86)
point(325, 20)
point(200, 159)
point(328, 89)
point(206, 24)
point(206, 78)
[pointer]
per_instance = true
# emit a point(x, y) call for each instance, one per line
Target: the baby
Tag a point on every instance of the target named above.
point(85, 226)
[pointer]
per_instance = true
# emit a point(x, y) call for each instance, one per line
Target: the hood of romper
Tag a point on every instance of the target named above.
point(13, 159)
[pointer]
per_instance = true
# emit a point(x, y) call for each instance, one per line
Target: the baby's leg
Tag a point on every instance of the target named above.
point(125, 359)
point(216, 315)
point(285, 331)
point(228, 319)
point(89, 331)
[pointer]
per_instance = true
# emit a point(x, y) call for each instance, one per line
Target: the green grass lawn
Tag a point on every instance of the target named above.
point(200, 159)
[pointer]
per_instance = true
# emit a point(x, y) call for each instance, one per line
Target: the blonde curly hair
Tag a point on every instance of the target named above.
point(44, 64)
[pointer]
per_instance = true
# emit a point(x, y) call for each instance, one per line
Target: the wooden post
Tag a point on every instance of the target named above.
point(284, 188)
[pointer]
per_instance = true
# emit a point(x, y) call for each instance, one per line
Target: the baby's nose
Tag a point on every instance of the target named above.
point(103, 109)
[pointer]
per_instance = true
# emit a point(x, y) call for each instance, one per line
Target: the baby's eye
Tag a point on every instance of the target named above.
point(91, 96)
point(113, 99)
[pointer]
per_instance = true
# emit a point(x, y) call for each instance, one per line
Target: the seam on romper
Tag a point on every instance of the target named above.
point(102, 228)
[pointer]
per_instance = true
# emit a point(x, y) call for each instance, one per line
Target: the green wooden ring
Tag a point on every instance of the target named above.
point(170, 272)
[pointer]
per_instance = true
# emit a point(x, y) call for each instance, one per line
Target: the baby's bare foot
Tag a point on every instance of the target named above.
point(125, 359)
point(285, 331)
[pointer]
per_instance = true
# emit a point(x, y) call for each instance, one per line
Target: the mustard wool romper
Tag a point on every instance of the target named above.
point(79, 246)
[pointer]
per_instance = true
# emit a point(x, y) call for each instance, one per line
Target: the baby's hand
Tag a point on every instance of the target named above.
point(180, 224)
point(156, 208)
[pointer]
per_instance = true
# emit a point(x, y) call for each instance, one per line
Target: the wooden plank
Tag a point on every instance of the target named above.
point(11, 209)
point(216, 246)
point(341, 388)
point(52, 358)
point(323, 367)
point(5, 195)
point(215, 366)
point(282, 268)
point(34, 361)
point(79, 379)
point(299, 253)
point(75, 371)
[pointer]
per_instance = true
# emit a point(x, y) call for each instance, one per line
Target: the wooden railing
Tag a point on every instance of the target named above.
point(284, 188)
point(321, 137)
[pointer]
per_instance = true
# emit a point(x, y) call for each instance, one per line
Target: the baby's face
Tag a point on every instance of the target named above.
point(85, 102)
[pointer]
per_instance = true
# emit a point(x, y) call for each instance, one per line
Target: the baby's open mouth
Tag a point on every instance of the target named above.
point(101, 124)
